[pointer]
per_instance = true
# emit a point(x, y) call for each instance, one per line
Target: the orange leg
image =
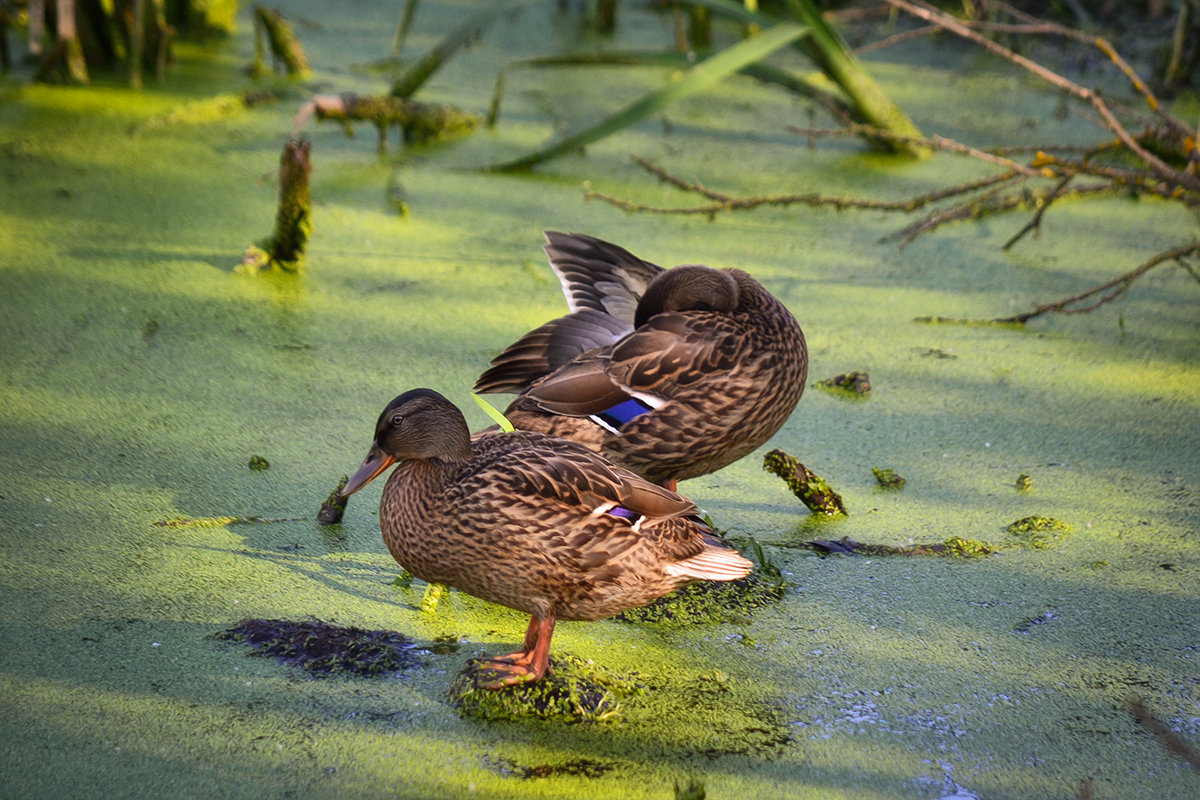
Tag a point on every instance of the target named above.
point(523, 656)
point(530, 664)
point(670, 484)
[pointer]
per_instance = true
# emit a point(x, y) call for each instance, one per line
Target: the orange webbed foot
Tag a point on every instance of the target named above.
point(499, 673)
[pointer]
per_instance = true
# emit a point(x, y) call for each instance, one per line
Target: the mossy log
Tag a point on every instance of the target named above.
point(285, 47)
point(812, 490)
point(285, 247)
point(420, 122)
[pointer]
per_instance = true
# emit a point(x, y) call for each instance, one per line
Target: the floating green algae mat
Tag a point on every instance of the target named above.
point(139, 376)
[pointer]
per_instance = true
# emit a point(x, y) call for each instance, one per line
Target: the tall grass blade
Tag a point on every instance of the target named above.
point(494, 413)
point(416, 75)
point(827, 50)
point(698, 78)
point(761, 71)
point(410, 8)
point(830, 53)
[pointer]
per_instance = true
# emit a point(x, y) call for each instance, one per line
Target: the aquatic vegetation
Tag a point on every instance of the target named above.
point(334, 506)
point(855, 384)
point(700, 77)
point(1159, 160)
point(585, 767)
point(286, 49)
point(954, 546)
point(212, 108)
point(888, 478)
point(707, 602)
point(419, 122)
point(574, 691)
point(1038, 532)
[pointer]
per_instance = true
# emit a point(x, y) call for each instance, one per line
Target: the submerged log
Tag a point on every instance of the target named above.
point(420, 122)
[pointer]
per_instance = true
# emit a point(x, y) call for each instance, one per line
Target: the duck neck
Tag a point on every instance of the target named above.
point(430, 473)
point(413, 489)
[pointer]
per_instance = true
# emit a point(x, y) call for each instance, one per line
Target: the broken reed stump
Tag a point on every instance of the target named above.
point(293, 224)
point(812, 490)
point(269, 24)
point(334, 507)
point(419, 122)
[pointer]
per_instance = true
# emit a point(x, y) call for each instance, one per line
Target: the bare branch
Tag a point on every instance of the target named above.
point(723, 202)
point(1035, 222)
point(1114, 288)
point(1164, 171)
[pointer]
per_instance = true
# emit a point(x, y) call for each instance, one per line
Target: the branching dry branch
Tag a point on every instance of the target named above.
point(1161, 159)
point(1181, 177)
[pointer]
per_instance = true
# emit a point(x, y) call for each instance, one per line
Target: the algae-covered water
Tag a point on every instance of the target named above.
point(140, 376)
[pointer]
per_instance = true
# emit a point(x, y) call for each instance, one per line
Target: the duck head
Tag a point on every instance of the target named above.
point(419, 425)
point(688, 288)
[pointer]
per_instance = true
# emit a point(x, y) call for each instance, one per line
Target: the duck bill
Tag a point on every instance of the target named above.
point(375, 462)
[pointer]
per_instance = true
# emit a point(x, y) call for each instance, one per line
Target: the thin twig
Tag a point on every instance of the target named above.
point(1115, 288)
point(973, 209)
point(1167, 737)
point(895, 39)
point(1138, 179)
point(679, 183)
point(1035, 222)
point(934, 142)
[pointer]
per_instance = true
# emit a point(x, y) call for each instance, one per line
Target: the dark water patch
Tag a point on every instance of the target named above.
point(579, 767)
point(1028, 624)
point(323, 649)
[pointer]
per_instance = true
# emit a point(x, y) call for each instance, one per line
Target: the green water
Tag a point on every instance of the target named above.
point(139, 375)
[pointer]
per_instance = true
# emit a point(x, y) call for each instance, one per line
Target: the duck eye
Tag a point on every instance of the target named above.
point(397, 420)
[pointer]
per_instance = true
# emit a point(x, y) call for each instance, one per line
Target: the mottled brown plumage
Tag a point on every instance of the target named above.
point(532, 522)
point(713, 362)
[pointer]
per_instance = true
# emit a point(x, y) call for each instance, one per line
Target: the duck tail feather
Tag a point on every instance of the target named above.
point(712, 564)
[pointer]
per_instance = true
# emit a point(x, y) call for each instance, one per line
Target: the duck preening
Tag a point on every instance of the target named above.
point(671, 373)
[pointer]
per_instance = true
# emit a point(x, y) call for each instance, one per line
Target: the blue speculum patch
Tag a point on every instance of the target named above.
point(621, 413)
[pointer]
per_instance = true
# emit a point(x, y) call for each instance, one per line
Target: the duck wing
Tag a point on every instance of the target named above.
point(559, 470)
point(671, 354)
point(548, 347)
point(649, 513)
point(599, 275)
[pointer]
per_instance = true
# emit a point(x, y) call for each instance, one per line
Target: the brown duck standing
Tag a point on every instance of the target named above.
point(670, 373)
point(532, 522)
